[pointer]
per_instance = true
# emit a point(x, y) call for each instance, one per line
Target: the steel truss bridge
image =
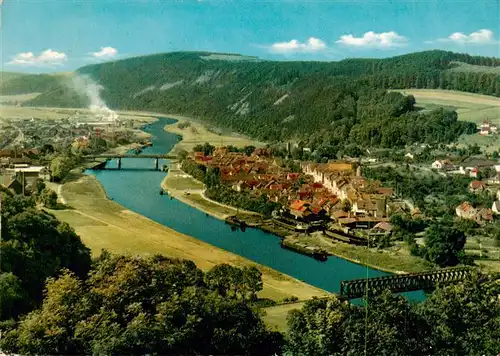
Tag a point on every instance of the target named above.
point(357, 288)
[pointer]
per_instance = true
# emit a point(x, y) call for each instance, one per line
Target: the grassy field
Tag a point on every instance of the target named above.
point(470, 107)
point(395, 260)
point(472, 68)
point(103, 224)
point(26, 112)
point(197, 133)
point(275, 316)
point(190, 191)
point(484, 246)
point(18, 98)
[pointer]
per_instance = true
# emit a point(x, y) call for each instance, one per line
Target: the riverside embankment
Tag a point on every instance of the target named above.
point(137, 189)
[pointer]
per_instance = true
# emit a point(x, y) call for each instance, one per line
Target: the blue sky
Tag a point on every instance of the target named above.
point(62, 35)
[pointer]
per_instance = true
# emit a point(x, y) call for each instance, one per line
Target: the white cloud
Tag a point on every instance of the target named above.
point(312, 45)
point(105, 53)
point(374, 40)
point(480, 37)
point(45, 58)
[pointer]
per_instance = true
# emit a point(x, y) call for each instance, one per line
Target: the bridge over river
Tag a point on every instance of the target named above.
point(118, 157)
point(357, 288)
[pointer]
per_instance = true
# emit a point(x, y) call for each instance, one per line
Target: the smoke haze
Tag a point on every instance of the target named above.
point(86, 86)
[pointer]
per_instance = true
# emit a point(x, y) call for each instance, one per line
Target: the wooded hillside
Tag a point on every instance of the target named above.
point(323, 104)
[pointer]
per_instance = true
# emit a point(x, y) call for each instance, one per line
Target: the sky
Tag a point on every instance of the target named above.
point(63, 35)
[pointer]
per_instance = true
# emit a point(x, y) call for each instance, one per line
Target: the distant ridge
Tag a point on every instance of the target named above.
point(322, 103)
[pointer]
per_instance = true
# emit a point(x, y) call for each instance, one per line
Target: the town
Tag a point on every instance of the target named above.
point(336, 198)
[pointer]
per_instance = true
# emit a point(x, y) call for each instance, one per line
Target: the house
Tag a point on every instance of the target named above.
point(300, 209)
point(496, 207)
point(442, 165)
point(30, 173)
point(484, 215)
point(478, 163)
point(476, 186)
point(361, 222)
point(409, 156)
point(465, 211)
point(474, 172)
point(370, 205)
point(382, 227)
point(487, 128)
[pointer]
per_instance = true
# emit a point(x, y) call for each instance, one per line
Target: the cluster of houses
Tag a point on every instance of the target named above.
point(11, 157)
point(334, 190)
point(18, 169)
point(20, 178)
point(470, 168)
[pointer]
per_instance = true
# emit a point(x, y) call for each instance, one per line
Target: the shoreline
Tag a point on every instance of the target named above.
point(90, 203)
point(93, 211)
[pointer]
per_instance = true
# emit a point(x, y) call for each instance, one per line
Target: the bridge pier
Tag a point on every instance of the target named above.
point(119, 163)
point(157, 161)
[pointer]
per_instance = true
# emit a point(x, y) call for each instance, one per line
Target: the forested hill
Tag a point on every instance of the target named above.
point(321, 103)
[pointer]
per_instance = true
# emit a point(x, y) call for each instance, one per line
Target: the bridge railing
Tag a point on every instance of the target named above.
point(357, 288)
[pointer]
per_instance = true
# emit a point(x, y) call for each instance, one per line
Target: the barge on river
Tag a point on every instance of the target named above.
point(315, 252)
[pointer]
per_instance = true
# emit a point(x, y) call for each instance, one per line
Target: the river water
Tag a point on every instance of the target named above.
point(137, 188)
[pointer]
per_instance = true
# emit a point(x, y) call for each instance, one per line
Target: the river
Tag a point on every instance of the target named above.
point(137, 189)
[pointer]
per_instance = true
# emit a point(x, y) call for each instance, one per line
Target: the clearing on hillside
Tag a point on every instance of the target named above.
point(470, 107)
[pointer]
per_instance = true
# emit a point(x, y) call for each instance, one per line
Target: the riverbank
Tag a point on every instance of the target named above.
point(194, 133)
point(104, 224)
point(185, 188)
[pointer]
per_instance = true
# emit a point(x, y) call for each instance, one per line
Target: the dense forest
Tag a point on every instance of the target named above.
point(56, 300)
point(323, 105)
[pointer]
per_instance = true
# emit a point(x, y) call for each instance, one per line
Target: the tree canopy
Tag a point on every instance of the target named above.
point(460, 319)
point(147, 305)
point(34, 245)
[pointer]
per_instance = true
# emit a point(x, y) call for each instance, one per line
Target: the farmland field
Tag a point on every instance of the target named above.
point(470, 107)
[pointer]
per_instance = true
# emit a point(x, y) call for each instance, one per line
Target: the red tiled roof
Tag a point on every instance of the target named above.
point(385, 191)
point(476, 184)
point(316, 209)
point(298, 204)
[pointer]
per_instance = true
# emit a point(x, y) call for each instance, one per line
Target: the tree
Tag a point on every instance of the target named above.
point(48, 198)
point(59, 168)
point(206, 148)
point(212, 177)
point(141, 305)
point(444, 243)
point(248, 150)
point(39, 186)
point(346, 205)
point(35, 245)
point(243, 284)
point(12, 296)
point(390, 326)
point(182, 154)
point(465, 317)
point(317, 328)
